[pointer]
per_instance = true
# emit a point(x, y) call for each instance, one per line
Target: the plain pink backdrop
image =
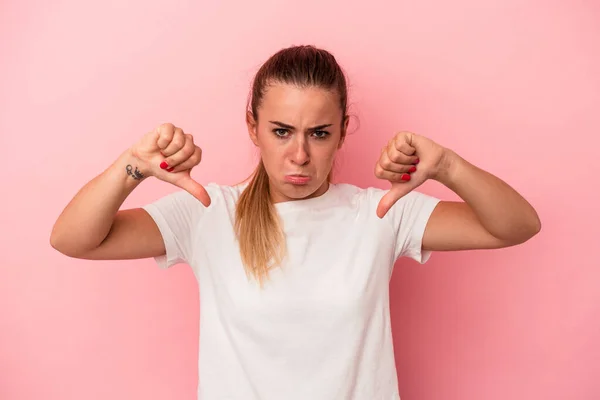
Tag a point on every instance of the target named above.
point(513, 86)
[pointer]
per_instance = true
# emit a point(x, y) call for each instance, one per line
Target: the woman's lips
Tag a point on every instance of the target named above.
point(297, 179)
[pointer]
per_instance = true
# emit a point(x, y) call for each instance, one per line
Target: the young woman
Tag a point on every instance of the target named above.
point(293, 270)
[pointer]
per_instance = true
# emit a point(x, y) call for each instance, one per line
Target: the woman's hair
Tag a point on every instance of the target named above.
point(258, 228)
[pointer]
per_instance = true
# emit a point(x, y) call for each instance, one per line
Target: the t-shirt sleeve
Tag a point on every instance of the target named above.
point(409, 217)
point(177, 216)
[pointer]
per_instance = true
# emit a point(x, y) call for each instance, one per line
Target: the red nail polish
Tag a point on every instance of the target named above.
point(170, 169)
point(164, 165)
point(417, 161)
point(412, 169)
point(405, 177)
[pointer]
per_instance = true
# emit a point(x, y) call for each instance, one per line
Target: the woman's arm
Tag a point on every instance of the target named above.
point(493, 214)
point(91, 225)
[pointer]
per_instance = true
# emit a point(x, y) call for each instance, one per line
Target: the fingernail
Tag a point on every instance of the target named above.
point(164, 165)
point(170, 169)
point(405, 177)
point(412, 169)
point(417, 161)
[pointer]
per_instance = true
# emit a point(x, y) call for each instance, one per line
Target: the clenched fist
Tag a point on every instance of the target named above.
point(407, 161)
point(169, 154)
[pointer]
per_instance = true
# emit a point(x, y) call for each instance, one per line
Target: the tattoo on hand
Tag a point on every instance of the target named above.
point(137, 175)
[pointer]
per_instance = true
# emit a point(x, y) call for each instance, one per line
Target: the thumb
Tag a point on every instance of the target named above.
point(397, 191)
point(188, 184)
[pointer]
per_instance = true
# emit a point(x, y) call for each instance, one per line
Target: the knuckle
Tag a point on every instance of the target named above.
point(194, 159)
point(188, 151)
point(166, 127)
point(165, 132)
point(188, 145)
point(178, 141)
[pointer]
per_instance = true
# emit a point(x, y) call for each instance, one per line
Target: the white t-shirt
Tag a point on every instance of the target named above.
point(320, 327)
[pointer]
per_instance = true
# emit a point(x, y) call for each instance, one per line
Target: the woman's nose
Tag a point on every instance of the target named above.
point(300, 155)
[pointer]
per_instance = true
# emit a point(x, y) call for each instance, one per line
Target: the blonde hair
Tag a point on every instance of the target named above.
point(258, 227)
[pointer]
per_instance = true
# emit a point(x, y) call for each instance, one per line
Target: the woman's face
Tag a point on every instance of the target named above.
point(298, 132)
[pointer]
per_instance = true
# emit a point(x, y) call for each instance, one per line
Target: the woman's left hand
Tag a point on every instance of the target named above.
point(407, 161)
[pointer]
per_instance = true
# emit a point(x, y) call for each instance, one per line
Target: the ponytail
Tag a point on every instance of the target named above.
point(258, 228)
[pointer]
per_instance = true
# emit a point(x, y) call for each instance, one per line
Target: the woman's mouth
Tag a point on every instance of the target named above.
point(297, 179)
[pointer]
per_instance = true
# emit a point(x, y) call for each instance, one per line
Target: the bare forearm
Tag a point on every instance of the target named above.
point(87, 219)
point(501, 210)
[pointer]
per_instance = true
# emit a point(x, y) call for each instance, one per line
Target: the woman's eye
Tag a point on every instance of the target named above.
point(280, 132)
point(321, 134)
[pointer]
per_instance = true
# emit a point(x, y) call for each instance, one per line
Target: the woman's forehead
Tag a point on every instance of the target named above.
point(292, 102)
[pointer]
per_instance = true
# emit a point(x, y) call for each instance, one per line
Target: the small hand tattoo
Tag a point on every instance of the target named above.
point(137, 175)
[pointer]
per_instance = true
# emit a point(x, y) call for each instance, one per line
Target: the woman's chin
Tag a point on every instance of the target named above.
point(296, 191)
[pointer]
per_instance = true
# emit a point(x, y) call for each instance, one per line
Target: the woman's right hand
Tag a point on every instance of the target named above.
point(169, 154)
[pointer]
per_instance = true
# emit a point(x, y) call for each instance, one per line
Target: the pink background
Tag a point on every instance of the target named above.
point(513, 86)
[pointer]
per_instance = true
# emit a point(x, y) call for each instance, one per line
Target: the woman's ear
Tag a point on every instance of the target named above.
point(344, 131)
point(252, 126)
